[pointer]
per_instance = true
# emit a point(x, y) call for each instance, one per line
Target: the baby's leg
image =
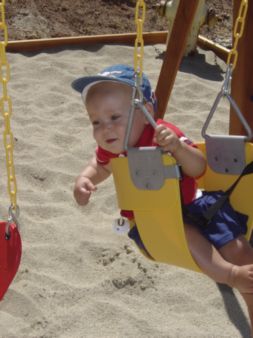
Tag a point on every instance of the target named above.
point(231, 265)
point(240, 253)
point(206, 256)
point(220, 266)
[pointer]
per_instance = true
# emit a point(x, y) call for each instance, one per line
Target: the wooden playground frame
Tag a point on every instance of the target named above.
point(242, 82)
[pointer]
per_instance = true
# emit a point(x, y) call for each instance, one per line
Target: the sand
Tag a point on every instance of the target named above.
point(77, 277)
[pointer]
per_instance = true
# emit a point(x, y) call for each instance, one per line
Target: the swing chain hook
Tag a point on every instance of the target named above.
point(138, 94)
point(137, 102)
point(13, 215)
point(226, 87)
point(135, 98)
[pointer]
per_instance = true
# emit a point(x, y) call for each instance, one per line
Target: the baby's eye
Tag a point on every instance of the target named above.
point(95, 123)
point(115, 117)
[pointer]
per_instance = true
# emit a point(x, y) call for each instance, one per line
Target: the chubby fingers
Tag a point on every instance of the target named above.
point(161, 134)
point(83, 189)
point(166, 138)
point(89, 186)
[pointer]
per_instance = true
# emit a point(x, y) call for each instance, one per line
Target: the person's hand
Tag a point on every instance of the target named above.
point(167, 139)
point(83, 189)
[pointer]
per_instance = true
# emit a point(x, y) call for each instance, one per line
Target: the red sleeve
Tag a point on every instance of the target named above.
point(103, 156)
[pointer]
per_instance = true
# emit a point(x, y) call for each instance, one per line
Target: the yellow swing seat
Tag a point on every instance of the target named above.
point(158, 214)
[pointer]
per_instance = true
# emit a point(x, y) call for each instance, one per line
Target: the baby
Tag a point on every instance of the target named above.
point(220, 248)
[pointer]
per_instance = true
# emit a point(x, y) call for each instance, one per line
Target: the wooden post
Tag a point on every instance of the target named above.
point(242, 81)
point(174, 52)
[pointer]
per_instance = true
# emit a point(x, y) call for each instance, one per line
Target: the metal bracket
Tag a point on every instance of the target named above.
point(136, 103)
point(147, 169)
point(13, 215)
point(226, 154)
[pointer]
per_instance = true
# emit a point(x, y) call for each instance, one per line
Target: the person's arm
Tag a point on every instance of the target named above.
point(86, 182)
point(190, 158)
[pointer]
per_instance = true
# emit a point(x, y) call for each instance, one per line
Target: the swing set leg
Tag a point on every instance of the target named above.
point(242, 82)
point(174, 52)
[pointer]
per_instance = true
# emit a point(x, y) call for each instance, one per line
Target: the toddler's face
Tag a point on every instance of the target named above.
point(108, 105)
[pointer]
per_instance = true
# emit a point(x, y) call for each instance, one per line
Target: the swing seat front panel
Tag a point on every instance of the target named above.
point(157, 215)
point(162, 233)
point(132, 198)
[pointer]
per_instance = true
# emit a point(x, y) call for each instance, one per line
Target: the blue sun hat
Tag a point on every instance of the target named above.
point(117, 73)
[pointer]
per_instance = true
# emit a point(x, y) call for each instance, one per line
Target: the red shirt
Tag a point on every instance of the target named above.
point(188, 184)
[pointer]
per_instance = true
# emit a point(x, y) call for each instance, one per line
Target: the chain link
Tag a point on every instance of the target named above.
point(238, 31)
point(6, 109)
point(140, 12)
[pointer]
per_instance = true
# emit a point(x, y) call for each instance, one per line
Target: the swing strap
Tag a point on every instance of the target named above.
point(212, 211)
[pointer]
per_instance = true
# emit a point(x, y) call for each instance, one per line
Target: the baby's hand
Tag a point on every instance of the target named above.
point(166, 139)
point(83, 189)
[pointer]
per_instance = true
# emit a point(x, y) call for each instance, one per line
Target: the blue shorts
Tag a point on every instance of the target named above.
point(135, 236)
point(225, 226)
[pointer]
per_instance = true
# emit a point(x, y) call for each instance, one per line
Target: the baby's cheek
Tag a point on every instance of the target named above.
point(97, 137)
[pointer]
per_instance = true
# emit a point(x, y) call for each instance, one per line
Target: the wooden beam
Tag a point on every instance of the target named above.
point(242, 82)
point(174, 52)
point(128, 38)
point(150, 38)
point(220, 51)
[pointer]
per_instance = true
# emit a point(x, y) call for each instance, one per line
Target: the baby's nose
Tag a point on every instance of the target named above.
point(108, 125)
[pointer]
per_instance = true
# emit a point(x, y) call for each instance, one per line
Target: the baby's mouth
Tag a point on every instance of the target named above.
point(111, 140)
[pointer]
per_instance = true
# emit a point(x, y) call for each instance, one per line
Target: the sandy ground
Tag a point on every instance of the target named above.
point(77, 278)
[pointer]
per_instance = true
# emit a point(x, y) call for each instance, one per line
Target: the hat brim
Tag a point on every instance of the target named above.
point(85, 82)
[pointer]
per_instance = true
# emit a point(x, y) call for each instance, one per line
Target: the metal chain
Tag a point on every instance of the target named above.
point(137, 95)
point(3, 26)
point(6, 109)
point(140, 12)
point(238, 32)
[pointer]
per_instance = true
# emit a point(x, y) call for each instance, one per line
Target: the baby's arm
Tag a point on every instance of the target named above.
point(191, 159)
point(86, 182)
